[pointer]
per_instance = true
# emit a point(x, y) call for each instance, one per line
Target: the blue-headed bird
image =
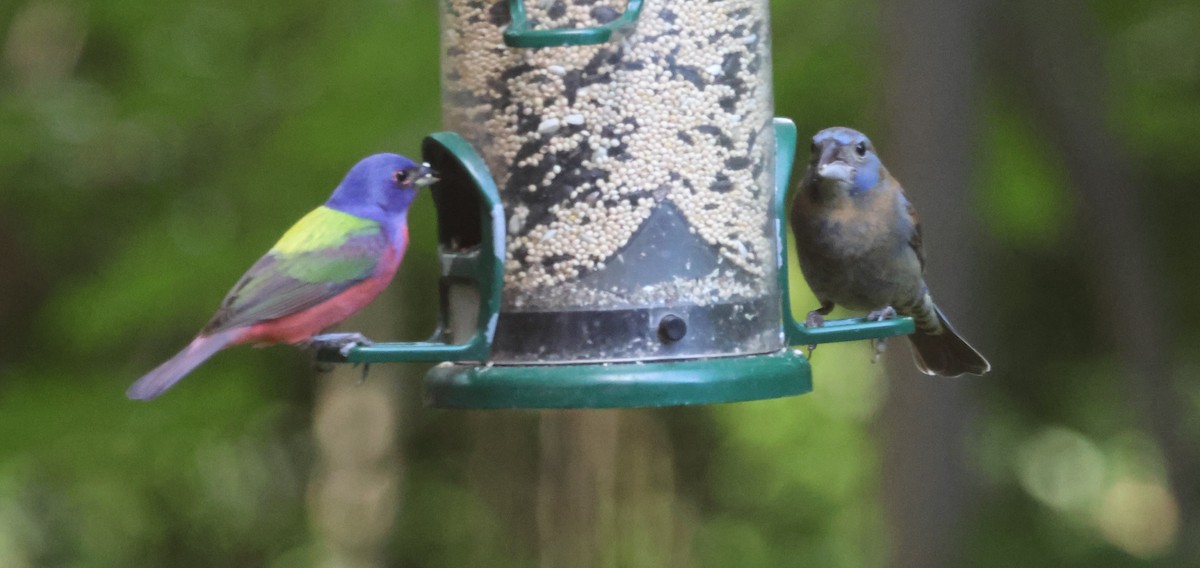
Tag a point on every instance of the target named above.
point(859, 243)
point(327, 266)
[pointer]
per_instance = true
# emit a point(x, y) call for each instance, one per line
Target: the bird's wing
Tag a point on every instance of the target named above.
point(914, 240)
point(322, 255)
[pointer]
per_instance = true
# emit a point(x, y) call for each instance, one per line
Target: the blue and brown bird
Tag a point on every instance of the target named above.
point(859, 243)
point(327, 266)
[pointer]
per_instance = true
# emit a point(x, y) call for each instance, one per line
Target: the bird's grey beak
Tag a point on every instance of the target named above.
point(828, 153)
point(425, 176)
point(831, 166)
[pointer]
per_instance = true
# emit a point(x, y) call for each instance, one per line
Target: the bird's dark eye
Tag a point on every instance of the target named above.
point(861, 148)
point(401, 177)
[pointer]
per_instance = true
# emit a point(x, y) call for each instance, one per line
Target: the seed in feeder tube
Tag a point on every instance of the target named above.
point(604, 14)
point(677, 114)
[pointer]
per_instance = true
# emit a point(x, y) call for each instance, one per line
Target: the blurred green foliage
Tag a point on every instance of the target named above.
point(150, 151)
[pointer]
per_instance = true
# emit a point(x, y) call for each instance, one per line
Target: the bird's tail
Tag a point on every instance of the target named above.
point(938, 349)
point(164, 376)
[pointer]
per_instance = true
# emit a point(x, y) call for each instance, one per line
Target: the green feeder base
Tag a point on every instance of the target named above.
point(612, 385)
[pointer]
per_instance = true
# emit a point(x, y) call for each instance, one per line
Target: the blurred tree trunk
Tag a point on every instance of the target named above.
point(355, 493)
point(930, 119)
point(653, 526)
point(23, 288)
point(606, 492)
point(502, 469)
point(577, 478)
point(1057, 62)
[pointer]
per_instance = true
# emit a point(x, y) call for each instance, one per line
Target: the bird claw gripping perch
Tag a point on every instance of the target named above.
point(815, 319)
point(341, 342)
point(886, 313)
point(879, 344)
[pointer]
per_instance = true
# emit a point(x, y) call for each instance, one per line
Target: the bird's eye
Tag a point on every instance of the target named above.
point(861, 148)
point(401, 177)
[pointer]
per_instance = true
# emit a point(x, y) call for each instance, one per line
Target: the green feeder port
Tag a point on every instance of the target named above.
point(471, 254)
point(520, 32)
point(611, 211)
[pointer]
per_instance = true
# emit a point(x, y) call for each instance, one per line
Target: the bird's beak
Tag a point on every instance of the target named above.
point(828, 153)
point(831, 166)
point(425, 176)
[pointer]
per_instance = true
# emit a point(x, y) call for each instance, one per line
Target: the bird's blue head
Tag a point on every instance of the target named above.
point(380, 187)
point(843, 161)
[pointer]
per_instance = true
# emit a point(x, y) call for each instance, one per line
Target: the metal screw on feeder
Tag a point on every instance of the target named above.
point(642, 177)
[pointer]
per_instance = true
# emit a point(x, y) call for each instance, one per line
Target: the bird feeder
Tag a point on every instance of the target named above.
point(610, 210)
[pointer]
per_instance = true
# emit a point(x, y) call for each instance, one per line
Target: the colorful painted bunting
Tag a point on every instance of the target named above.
point(330, 264)
point(859, 243)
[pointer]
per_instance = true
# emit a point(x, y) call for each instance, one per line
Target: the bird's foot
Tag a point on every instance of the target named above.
point(886, 313)
point(815, 319)
point(322, 367)
point(342, 342)
point(878, 346)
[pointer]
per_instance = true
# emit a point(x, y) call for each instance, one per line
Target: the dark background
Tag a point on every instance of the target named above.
point(151, 151)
